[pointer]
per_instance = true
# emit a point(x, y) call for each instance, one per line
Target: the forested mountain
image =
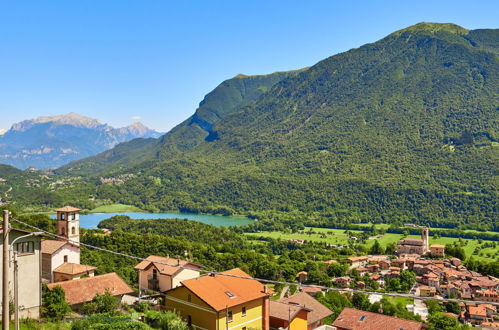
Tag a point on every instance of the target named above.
point(403, 129)
point(224, 99)
point(52, 141)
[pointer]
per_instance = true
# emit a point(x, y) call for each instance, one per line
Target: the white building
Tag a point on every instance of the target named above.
point(29, 270)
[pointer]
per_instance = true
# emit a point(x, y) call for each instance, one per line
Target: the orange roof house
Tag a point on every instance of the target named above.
point(85, 289)
point(211, 301)
point(354, 319)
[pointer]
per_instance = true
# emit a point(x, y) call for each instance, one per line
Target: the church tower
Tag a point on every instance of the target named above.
point(425, 236)
point(68, 223)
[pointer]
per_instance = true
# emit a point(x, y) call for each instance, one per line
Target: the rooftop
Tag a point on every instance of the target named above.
point(159, 262)
point(50, 246)
point(67, 209)
point(354, 319)
point(317, 310)
point(73, 269)
point(221, 291)
point(85, 289)
point(284, 311)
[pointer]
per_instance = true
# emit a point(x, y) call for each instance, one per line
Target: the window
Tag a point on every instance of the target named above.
point(244, 311)
point(63, 231)
point(229, 316)
point(73, 230)
point(63, 216)
point(244, 328)
point(73, 216)
point(189, 320)
point(362, 318)
point(229, 294)
point(65, 258)
point(154, 274)
point(25, 247)
point(189, 298)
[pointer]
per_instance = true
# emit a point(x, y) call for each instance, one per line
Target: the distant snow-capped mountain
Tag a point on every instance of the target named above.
point(52, 141)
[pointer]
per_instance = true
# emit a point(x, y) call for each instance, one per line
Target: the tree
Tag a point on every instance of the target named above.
point(376, 248)
point(394, 284)
point(441, 321)
point(453, 307)
point(105, 303)
point(391, 248)
point(337, 269)
point(361, 301)
point(407, 280)
point(54, 304)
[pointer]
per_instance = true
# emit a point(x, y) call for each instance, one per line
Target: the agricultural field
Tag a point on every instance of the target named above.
point(115, 208)
point(339, 236)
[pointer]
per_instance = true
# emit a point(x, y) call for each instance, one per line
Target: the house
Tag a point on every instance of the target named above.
point(29, 269)
point(356, 262)
point(317, 312)
point(84, 290)
point(220, 301)
point(487, 295)
point(437, 250)
point(476, 315)
point(354, 319)
point(54, 254)
point(302, 276)
point(343, 281)
point(69, 271)
point(427, 291)
point(287, 316)
point(155, 275)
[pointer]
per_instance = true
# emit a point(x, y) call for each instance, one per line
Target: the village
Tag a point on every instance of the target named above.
point(233, 300)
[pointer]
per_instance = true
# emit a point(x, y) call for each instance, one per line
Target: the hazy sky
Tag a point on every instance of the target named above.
point(120, 60)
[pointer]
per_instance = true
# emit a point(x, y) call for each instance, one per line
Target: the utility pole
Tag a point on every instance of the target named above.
point(5, 277)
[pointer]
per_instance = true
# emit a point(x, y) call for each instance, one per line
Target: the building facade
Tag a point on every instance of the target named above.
point(29, 270)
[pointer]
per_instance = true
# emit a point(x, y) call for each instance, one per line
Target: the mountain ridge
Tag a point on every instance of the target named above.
point(51, 141)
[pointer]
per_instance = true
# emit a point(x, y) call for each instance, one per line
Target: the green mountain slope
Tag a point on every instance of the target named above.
point(404, 129)
point(224, 99)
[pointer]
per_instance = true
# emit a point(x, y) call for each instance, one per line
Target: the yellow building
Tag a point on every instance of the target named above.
point(288, 316)
point(217, 302)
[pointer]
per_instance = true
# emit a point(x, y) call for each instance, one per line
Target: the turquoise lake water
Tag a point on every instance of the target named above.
point(91, 220)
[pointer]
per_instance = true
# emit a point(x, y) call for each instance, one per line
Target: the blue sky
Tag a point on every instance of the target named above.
point(117, 60)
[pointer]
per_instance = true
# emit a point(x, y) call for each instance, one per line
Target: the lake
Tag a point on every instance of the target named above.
point(91, 220)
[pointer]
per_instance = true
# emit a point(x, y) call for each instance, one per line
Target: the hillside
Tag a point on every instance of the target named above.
point(224, 99)
point(52, 141)
point(403, 129)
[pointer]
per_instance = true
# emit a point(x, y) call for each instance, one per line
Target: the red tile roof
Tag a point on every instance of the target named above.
point(158, 262)
point(73, 269)
point(284, 311)
point(354, 319)
point(67, 209)
point(50, 246)
point(85, 289)
point(317, 310)
point(221, 291)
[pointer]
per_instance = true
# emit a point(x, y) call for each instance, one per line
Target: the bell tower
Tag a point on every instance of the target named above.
point(68, 223)
point(425, 236)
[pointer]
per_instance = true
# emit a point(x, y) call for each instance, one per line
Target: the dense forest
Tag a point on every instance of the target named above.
point(400, 130)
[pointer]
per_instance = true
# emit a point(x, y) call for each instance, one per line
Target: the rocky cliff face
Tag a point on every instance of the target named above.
point(52, 141)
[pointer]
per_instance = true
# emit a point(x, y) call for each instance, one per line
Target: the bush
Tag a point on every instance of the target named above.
point(54, 304)
point(102, 304)
point(106, 321)
point(165, 320)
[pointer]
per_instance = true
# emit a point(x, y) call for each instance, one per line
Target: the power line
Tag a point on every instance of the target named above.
point(211, 272)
